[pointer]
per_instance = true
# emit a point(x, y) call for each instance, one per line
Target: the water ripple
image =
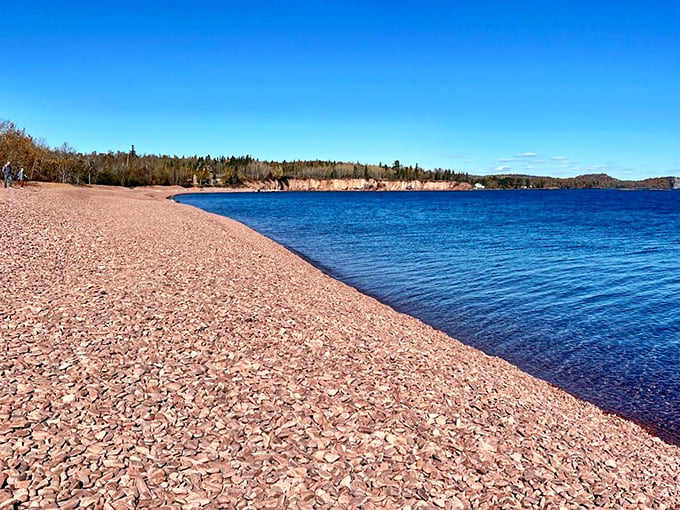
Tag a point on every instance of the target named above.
point(581, 288)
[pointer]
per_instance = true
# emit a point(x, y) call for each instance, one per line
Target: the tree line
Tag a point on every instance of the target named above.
point(120, 168)
point(65, 164)
point(588, 181)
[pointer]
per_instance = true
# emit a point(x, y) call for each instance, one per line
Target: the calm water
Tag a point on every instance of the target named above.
point(581, 288)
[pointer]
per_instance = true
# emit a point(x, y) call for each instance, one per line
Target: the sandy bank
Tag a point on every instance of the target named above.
point(152, 354)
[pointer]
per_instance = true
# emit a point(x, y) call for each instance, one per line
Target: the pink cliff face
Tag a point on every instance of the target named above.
point(356, 185)
point(152, 353)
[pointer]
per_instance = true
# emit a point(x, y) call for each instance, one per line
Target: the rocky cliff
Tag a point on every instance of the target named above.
point(355, 185)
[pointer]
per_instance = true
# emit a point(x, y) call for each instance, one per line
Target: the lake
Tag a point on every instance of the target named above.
point(578, 287)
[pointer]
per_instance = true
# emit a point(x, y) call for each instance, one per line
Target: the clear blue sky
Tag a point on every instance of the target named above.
point(540, 87)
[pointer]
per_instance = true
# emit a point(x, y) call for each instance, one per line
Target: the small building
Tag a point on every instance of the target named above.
point(479, 185)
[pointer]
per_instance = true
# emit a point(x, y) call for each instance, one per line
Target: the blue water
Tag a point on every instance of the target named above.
point(579, 287)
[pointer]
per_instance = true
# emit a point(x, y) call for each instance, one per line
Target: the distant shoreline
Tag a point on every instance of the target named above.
point(254, 189)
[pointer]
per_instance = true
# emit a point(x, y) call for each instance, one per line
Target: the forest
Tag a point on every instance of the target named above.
point(65, 164)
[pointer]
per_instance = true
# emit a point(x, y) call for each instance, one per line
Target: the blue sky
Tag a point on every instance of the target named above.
point(545, 88)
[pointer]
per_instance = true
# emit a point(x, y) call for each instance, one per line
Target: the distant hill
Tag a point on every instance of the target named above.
point(588, 181)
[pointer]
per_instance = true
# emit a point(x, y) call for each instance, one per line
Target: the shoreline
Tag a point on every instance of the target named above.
point(193, 361)
point(666, 436)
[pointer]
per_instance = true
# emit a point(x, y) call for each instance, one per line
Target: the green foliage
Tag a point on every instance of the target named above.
point(65, 164)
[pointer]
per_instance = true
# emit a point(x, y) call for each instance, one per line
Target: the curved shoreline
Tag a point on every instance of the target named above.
point(656, 429)
point(180, 357)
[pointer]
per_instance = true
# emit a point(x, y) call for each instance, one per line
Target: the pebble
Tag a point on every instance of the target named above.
point(152, 354)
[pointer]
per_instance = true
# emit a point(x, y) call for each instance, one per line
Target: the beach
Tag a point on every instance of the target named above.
point(155, 355)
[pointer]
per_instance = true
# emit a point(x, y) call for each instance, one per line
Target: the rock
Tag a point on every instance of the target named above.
point(157, 355)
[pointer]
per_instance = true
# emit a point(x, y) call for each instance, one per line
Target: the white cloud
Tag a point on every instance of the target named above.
point(501, 168)
point(558, 158)
point(505, 160)
point(526, 155)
